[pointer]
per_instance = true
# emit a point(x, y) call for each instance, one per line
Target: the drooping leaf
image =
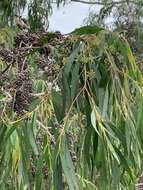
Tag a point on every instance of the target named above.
point(67, 166)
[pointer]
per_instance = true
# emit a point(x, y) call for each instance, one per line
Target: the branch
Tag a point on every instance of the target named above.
point(8, 66)
point(102, 3)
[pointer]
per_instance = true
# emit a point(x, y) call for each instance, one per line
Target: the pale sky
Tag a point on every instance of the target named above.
point(67, 18)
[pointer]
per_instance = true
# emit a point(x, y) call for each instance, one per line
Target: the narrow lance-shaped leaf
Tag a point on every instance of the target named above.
point(67, 165)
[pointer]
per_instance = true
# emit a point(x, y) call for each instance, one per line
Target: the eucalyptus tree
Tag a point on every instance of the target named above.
point(96, 113)
point(38, 11)
point(85, 134)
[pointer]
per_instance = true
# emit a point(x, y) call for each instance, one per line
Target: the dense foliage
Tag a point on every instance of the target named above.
point(122, 16)
point(71, 111)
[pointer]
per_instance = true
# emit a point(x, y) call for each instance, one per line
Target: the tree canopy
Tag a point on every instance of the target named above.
point(84, 131)
point(71, 106)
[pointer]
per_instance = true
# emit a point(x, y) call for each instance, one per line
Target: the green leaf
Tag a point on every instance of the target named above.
point(71, 58)
point(30, 132)
point(87, 30)
point(34, 104)
point(75, 79)
point(93, 121)
point(87, 144)
point(38, 175)
point(124, 162)
point(112, 149)
point(105, 103)
point(58, 105)
point(66, 95)
point(58, 175)
point(67, 165)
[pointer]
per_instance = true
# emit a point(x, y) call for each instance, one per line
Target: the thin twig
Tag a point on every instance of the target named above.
point(46, 129)
point(8, 66)
point(103, 3)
